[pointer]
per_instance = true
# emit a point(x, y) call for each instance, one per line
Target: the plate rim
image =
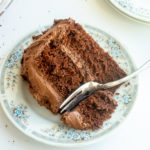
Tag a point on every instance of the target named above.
point(84, 143)
point(4, 5)
point(128, 14)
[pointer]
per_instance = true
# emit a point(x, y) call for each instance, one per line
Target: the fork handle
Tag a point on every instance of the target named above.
point(127, 78)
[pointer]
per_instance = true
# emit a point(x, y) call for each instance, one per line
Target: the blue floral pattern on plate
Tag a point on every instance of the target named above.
point(19, 112)
point(31, 119)
point(71, 134)
point(131, 8)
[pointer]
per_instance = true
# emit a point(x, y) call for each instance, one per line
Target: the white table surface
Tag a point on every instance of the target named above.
point(24, 16)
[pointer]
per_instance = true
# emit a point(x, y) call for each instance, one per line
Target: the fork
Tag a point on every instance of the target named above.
point(87, 89)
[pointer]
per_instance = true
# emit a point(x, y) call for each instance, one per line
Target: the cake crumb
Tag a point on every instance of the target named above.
point(127, 84)
point(11, 141)
point(6, 126)
point(117, 93)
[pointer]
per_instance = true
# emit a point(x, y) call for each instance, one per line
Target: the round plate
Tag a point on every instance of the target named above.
point(38, 122)
point(137, 9)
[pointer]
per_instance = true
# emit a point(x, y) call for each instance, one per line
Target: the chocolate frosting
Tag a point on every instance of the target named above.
point(74, 120)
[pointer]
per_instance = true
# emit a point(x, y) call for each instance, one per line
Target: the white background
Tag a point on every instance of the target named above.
point(24, 16)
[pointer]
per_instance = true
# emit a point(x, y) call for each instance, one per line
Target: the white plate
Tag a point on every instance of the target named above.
point(137, 9)
point(38, 122)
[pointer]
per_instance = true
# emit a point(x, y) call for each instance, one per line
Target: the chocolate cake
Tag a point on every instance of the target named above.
point(63, 58)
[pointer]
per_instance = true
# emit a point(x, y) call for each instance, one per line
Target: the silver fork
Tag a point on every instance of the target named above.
point(90, 87)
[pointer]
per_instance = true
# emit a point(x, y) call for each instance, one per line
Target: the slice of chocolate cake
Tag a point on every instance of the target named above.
point(63, 58)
